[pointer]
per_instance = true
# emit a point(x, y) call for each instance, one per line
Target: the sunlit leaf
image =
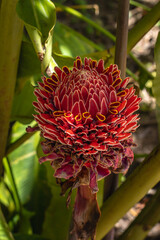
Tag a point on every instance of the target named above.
point(64, 52)
point(22, 108)
point(6, 197)
point(39, 18)
point(63, 60)
point(24, 166)
point(29, 63)
point(69, 43)
point(5, 233)
point(38, 14)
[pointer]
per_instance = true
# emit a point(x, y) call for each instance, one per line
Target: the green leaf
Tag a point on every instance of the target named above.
point(124, 197)
point(57, 215)
point(5, 233)
point(29, 63)
point(143, 78)
point(28, 237)
point(5, 197)
point(52, 217)
point(39, 18)
point(69, 42)
point(89, 44)
point(24, 166)
point(22, 108)
point(37, 15)
point(63, 60)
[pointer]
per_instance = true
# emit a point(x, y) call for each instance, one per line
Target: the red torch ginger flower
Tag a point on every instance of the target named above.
point(86, 116)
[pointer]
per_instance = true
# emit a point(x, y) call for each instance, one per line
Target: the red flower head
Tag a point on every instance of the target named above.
point(86, 116)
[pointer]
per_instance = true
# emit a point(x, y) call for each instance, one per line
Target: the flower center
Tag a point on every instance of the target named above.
point(81, 93)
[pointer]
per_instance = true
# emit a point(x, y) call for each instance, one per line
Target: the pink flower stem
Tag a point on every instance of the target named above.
point(86, 213)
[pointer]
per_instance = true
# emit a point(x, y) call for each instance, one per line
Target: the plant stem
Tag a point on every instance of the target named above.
point(143, 26)
point(4, 229)
point(149, 24)
point(87, 6)
point(131, 74)
point(19, 142)
point(111, 182)
point(142, 155)
point(149, 216)
point(140, 5)
point(11, 29)
point(85, 19)
point(141, 65)
point(11, 178)
point(110, 185)
point(86, 213)
point(122, 36)
point(143, 178)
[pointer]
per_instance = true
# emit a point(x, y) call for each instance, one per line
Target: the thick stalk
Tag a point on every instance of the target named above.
point(11, 29)
point(122, 36)
point(143, 178)
point(111, 182)
point(110, 185)
point(149, 216)
point(86, 213)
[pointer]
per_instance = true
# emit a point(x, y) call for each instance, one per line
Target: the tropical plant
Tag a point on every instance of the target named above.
point(83, 124)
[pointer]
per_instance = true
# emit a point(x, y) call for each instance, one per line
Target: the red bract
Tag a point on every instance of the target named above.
point(86, 116)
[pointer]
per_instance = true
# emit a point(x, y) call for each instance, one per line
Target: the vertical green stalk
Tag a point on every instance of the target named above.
point(149, 216)
point(11, 29)
point(110, 185)
point(122, 36)
point(111, 182)
point(143, 26)
point(143, 178)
